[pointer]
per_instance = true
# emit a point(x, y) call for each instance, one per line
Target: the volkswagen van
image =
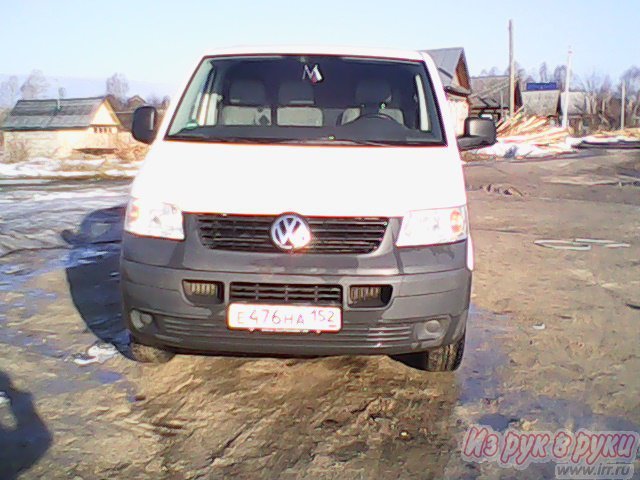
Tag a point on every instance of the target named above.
point(302, 202)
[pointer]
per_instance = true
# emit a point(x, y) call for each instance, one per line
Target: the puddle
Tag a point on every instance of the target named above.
point(14, 281)
point(478, 375)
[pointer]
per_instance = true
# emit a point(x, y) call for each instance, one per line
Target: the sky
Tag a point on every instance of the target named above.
point(159, 40)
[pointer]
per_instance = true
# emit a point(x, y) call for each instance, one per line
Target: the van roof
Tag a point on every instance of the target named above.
point(317, 50)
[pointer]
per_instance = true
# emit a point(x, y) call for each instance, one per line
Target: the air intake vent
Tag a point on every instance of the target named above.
point(285, 293)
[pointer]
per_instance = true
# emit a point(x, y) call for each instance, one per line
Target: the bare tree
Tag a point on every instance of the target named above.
point(154, 100)
point(543, 72)
point(160, 103)
point(9, 91)
point(491, 72)
point(118, 86)
point(521, 73)
point(35, 86)
point(559, 75)
point(631, 77)
point(592, 86)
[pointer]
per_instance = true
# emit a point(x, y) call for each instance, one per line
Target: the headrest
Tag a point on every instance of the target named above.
point(369, 92)
point(296, 93)
point(247, 92)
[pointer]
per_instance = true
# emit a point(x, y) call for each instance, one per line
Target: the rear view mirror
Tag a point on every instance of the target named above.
point(478, 132)
point(145, 124)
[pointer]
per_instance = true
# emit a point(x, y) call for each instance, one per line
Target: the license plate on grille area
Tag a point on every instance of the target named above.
point(283, 318)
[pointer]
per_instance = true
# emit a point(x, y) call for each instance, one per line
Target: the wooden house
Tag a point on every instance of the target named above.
point(454, 74)
point(490, 97)
point(58, 128)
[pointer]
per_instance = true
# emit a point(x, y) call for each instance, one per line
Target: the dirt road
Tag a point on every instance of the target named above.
point(553, 343)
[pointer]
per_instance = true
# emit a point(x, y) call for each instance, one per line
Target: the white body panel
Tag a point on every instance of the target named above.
point(306, 179)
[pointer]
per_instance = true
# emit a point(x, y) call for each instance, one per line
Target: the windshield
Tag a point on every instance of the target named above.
point(309, 99)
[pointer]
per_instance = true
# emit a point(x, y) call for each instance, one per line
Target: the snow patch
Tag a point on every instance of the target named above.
point(504, 149)
point(43, 167)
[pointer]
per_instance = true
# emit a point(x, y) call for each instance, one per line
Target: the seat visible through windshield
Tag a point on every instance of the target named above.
point(300, 98)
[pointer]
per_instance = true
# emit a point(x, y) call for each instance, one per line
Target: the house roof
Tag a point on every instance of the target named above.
point(53, 114)
point(487, 91)
point(543, 103)
point(447, 61)
point(491, 92)
point(577, 103)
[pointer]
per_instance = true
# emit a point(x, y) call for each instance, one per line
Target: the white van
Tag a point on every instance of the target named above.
point(302, 201)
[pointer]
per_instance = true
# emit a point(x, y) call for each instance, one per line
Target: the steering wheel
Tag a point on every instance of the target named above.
point(379, 115)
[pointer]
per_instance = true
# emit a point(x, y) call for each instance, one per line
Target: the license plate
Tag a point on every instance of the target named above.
point(284, 318)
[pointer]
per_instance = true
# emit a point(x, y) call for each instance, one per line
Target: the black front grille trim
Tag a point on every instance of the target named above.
point(330, 235)
point(283, 293)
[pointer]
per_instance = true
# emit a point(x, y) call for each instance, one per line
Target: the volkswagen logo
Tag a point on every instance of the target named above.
point(290, 232)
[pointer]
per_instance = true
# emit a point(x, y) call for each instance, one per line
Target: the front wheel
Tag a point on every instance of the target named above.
point(441, 359)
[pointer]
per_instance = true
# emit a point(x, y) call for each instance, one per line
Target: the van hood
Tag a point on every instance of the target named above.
point(310, 180)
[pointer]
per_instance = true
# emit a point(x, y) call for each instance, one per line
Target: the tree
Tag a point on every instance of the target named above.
point(118, 86)
point(9, 92)
point(559, 76)
point(161, 103)
point(631, 77)
point(543, 72)
point(35, 86)
point(154, 100)
point(592, 86)
point(521, 73)
point(493, 71)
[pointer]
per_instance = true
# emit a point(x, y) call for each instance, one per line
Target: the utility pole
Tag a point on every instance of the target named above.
point(567, 81)
point(622, 104)
point(512, 72)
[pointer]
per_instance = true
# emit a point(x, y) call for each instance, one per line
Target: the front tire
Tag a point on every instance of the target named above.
point(441, 359)
point(146, 354)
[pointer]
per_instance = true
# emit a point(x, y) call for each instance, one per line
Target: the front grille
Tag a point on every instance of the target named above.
point(333, 235)
point(285, 293)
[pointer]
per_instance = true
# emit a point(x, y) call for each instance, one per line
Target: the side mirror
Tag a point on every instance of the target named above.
point(478, 132)
point(145, 124)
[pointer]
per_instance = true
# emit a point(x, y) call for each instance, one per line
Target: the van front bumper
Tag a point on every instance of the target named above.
point(399, 327)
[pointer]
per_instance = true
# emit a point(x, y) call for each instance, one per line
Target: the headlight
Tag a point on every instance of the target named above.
point(433, 227)
point(154, 219)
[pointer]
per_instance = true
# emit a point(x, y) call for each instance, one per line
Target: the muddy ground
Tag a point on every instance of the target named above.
point(552, 342)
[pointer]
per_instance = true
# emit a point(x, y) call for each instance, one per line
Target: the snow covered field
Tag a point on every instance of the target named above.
point(42, 167)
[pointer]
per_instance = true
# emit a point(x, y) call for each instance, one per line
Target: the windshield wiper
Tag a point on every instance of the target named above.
point(203, 137)
point(327, 140)
point(331, 140)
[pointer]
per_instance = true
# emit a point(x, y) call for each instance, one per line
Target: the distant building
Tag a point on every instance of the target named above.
point(490, 97)
point(135, 102)
point(578, 113)
point(550, 104)
point(124, 108)
point(454, 74)
point(544, 103)
point(57, 128)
